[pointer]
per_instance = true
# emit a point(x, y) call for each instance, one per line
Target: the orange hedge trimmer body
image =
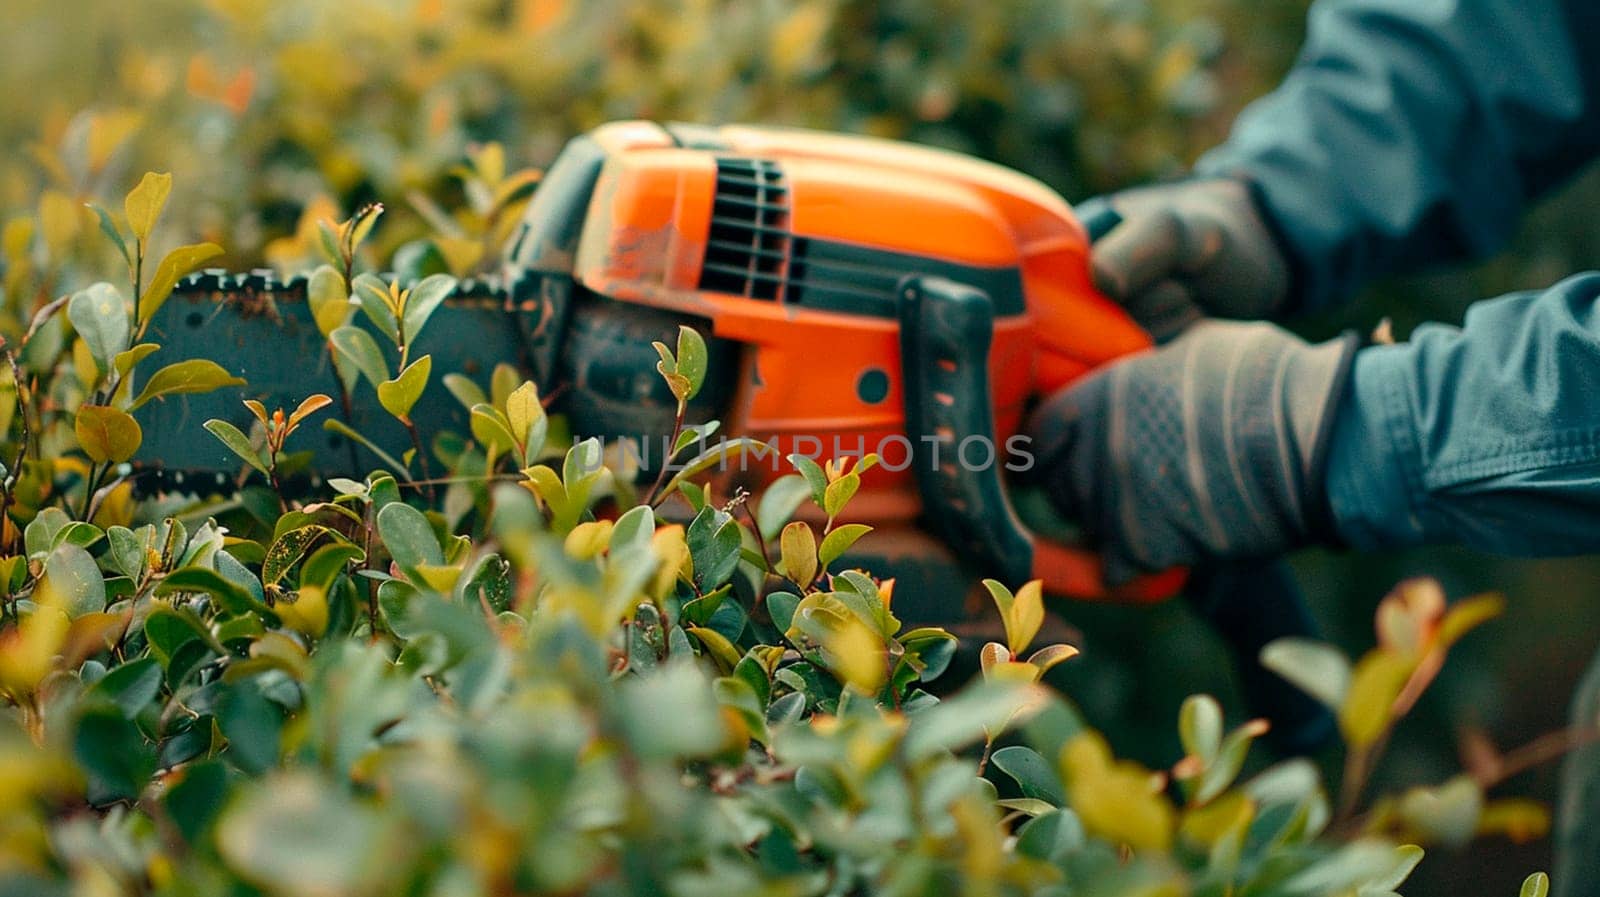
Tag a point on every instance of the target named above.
point(857, 296)
point(838, 265)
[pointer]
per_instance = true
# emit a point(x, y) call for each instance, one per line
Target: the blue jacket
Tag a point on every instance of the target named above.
point(1413, 133)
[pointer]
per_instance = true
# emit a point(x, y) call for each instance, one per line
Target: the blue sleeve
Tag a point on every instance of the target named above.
point(1413, 132)
point(1486, 435)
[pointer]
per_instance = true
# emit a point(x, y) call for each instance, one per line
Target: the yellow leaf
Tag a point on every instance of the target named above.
point(15, 239)
point(1467, 615)
point(856, 656)
point(1227, 815)
point(523, 410)
point(144, 203)
point(28, 651)
point(1027, 615)
point(107, 134)
point(307, 613)
point(1050, 655)
point(1521, 821)
point(107, 434)
point(461, 255)
point(718, 646)
point(172, 268)
point(60, 220)
point(669, 546)
point(490, 161)
point(1013, 671)
point(588, 539)
point(797, 553)
point(439, 577)
point(1116, 800)
point(797, 41)
point(1374, 685)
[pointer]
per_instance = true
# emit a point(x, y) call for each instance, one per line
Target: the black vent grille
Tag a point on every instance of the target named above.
point(747, 253)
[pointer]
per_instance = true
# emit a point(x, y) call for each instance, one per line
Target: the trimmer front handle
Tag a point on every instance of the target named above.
point(945, 332)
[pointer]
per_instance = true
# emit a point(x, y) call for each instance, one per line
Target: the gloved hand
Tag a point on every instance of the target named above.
point(1187, 249)
point(1210, 446)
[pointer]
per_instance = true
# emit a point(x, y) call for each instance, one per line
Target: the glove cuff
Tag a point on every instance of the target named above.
point(1319, 522)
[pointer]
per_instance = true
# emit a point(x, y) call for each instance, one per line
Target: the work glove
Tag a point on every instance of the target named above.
point(1176, 252)
point(1212, 446)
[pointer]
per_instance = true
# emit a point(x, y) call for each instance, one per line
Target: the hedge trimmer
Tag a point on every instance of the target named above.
point(855, 296)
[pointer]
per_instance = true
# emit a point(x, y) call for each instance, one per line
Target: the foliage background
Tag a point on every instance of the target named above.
point(269, 107)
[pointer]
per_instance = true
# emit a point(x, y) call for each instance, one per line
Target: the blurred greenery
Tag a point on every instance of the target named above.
point(280, 111)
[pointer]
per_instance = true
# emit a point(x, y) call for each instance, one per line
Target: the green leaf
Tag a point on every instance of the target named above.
point(253, 726)
point(359, 348)
point(1536, 885)
point(100, 317)
point(778, 503)
point(781, 605)
point(836, 543)
point(1316, 668)
point(107, 434)
point(195, 800)
point(327, 562)
point(328, 299)
point(131, 686)
point(334, 425)
point(815, 478)
point(109, 228)
point(400, 395)
point(185, 377)
point(1231, 754)
point(490, 427)
point(168, 629)
point(720, 453)
point(714, 539)
point(296, 836)
point(1343, 870)
point(409, 537)
point(232, 596)
point(238, 443)
point(127, 550)
point(373, 294)
point(328, 242)
point(468, 393)
point(423, 300)
point(173, 267)
point(72, 575)
point(287, 550)
point(1200, 727)
point(1406, 859)
point(1447, 815)
point(110, 749)
point(633, 529)
point(144, 203)
point(975, 712)
point(691, 359)
point(838, 493)
point(125, 361)
point(1051, 837)
point(1035, 775)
